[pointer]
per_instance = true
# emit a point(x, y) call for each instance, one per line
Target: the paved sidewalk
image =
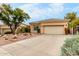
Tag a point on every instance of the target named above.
point(42, 45)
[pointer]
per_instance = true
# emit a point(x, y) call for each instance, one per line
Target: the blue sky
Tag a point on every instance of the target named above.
point(42, 11)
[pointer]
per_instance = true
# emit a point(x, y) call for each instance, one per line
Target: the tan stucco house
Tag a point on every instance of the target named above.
point(4, 28)
point(50, 26)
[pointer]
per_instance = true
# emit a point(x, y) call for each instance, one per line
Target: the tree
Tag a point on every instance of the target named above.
point(72, 18)
point(74, 23)
point(12, 17)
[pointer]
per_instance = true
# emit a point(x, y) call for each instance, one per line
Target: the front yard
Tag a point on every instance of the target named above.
point(9, 38)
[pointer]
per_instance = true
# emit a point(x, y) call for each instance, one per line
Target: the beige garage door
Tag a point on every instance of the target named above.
point(54, 30)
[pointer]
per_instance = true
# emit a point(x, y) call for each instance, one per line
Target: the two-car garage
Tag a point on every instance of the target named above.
point(54, 30)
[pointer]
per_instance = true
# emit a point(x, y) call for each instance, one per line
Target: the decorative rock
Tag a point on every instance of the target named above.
point(15, 37)
point(25, 34)
point(5, 37)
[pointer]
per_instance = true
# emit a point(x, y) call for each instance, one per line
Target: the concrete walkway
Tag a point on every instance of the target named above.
point(43, 45)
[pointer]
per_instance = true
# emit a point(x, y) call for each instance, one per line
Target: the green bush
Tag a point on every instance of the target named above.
point(8, 32)
point(27, 30)
point(70, 47)
point(24, 30)
point(37, 29)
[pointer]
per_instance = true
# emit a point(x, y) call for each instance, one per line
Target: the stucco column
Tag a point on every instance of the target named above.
point(31, 28)
point(41, 29)
point(66, 29)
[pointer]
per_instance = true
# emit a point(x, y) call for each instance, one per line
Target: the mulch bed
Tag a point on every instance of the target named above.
point(10, 38)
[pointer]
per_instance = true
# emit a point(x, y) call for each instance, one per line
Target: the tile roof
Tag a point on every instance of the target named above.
point(51, 20)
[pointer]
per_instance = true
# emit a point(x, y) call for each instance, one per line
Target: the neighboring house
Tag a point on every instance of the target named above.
point(50, 26)
point(5, 28)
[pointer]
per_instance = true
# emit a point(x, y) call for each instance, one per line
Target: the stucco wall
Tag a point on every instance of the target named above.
point(4, 28)
point(42, 24)
point(65, 24)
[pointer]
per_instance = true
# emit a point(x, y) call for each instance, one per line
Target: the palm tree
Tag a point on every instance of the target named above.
point(72, 18)
point(12, 17)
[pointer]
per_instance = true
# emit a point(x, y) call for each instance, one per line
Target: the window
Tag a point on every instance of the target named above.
point(36, 27)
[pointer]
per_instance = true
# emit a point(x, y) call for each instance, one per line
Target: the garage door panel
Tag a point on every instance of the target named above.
point(54, 30)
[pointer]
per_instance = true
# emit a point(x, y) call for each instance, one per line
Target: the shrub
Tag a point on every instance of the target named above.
point(23, 30)
point(27, 30)
point(70, 47)
point(37, 29)
point(8, 32)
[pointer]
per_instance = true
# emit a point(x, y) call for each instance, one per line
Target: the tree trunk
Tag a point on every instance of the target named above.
point(11, 29)
point(15, 27)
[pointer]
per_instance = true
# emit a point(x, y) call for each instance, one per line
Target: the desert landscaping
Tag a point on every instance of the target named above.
point(19, 35)
point(10, 38)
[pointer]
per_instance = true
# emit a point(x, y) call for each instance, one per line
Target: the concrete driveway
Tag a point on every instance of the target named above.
point(42, 45)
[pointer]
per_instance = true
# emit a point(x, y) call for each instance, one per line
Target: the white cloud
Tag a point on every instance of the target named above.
point(75, 9)
point(57, 8)
point(41, 13)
